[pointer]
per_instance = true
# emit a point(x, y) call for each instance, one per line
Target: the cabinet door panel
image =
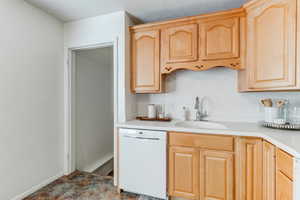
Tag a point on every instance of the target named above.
point(249, 169)
point(217, 175)
point(284, 187)
point(183, 172)
point(220, 39)
point(272, 45)
point(269, 171)
point(145, 62)
point(180, 44)
point(285, 163)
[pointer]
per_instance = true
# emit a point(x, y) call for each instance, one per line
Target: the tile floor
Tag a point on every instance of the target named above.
point(83, 186)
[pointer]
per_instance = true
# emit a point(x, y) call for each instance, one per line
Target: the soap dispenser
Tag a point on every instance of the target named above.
point(184, 114)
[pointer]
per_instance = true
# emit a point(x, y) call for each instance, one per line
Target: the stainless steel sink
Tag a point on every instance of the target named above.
point(200, 124)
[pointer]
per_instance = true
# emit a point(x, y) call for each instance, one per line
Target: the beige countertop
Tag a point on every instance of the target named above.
point(287, 140)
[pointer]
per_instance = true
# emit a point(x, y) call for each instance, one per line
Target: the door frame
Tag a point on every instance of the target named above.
point(69, 101)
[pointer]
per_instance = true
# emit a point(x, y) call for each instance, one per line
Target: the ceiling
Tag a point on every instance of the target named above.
point(144, 10)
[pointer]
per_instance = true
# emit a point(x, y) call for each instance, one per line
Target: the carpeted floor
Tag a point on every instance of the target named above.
point(83, 186)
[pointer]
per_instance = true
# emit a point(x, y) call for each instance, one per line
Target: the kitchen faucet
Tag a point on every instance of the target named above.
point(200, 113)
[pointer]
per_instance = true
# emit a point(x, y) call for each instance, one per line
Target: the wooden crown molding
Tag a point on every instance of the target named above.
point(192, 19)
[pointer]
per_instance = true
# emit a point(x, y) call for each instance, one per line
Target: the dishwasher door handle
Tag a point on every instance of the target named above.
point(141, 138)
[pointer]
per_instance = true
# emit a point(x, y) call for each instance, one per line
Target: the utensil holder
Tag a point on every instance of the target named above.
point(271, 113)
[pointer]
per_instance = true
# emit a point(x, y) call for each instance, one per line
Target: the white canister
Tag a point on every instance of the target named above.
point(271, 113)
point(151, 111)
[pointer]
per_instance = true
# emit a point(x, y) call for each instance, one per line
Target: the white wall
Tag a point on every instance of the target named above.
point(31, 103)
point(130, 98)
point(218, 85)
point(104, 29)
point(94, 108)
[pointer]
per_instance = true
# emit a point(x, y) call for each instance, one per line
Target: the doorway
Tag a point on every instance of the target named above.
point(92, 110)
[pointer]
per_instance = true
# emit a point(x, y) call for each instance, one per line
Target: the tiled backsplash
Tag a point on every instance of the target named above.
point(219, 87)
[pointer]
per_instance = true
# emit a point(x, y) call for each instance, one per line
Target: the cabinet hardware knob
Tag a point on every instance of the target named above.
point(168, 68)
point(199, 67)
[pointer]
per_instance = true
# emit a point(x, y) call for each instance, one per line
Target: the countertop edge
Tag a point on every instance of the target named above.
point(232, 132)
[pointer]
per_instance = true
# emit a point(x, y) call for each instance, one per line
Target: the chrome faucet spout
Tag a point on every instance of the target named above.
point(200, 113)
point(197, 103)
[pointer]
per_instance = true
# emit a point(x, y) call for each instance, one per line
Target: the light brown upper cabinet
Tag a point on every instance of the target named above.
point(220, 39)
point(261, 39)
point(203, 42)
point(271, 62)
point(195, 43)
point(145, 58)
point(180, 43)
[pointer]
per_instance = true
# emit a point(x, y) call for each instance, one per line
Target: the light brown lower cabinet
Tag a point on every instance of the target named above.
point(269, 171)
point(284, 187)
point(284, 175)
point(200, 170)
point(204, 174)
point(277, 173)
point(249, 169)
point(183, 172)
point(216, 175)
point(252, 169)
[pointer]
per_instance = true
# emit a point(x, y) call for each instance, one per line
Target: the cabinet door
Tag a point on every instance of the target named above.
point(269, 171)
point(145, 62)
point(183, 172)
point(180, 44)
point(284, 187)
point(220, 39)
point(216, 176)
point(271, 45)
point(284, 175)
point(285, 163)
point(249, 169)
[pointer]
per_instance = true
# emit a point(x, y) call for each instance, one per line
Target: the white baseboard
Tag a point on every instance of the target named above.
point(98, 163)
point(90, 168)
point(37, 187)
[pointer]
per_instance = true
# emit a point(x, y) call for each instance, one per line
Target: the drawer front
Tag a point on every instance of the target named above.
point(285, 163)
point(214, 142)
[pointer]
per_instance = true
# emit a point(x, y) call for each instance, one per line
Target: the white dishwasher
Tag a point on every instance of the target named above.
point(142, 162)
